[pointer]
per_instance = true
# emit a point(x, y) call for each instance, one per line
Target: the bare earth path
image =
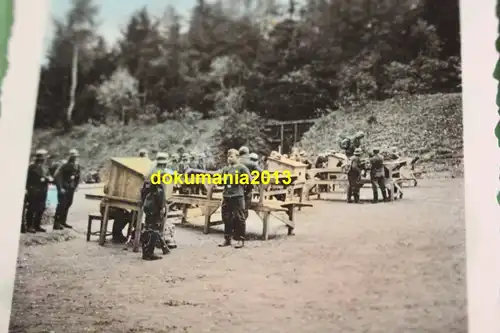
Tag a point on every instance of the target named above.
point(388, 268)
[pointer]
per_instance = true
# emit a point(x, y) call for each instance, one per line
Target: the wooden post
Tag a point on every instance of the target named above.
point(206, 227)
point(137, 236)
point(281, 138)
point(104, 224)
point(295, 130)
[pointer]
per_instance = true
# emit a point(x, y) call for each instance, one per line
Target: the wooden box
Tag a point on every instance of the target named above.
point(337, 161)
point(281, 164)
point(126, 177)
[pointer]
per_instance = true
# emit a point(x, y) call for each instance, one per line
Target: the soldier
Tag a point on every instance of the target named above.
point(354, 176)
point(153, 202)
point(233, 202)
point(173, 161)
point(162, 166)
point(244, 154)
point(67, 179)
point(350, 144)
point(184, 163)
point(377, 175)
point(254, 158)
point(121, 218)
point(143, 153)
point(37, 185)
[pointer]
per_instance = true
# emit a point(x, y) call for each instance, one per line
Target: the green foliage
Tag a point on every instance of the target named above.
point(242, 129)
point(278, 61)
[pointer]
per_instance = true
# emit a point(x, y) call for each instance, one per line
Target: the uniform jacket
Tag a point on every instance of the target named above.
point(68, 176)
point(37, 180)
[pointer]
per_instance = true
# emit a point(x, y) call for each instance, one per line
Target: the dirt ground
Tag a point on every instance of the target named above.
point(388, 268)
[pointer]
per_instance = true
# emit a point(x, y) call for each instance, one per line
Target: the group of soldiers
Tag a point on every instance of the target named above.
point(235, 204)
point(64, 175)
point(356, 166)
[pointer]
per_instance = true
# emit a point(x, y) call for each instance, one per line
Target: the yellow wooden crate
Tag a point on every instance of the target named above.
point(285, 164)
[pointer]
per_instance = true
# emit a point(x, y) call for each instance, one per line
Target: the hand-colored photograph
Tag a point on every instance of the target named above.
point(353, 108)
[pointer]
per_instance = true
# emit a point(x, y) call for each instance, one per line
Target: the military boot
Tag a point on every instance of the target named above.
point(227, 242)
point(239, 244)
point(150, 256)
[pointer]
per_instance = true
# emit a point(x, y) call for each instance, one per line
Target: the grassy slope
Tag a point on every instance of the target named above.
point(97, 144)
point(426, 125)
point(416, 125)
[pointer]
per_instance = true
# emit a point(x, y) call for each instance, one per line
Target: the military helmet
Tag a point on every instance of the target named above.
point(244, 150)
point(254, 157)
point(302, 153)
point(74, 153)
point(175, 156)
point(40, 154)
point(161, 157)
point(360, 134)
point(358, 151)
point(376, 150)
point(185, 156)
point(143, 152)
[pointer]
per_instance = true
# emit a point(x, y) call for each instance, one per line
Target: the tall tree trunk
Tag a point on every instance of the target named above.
point(72, 92)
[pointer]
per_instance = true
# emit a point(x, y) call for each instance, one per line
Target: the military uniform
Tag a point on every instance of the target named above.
point(169, 232)
point(67, 179)
point(153, 204)
point(233, 204)
point(246, 160)
point(37, 185)
point(377, 176)
point(354, 177)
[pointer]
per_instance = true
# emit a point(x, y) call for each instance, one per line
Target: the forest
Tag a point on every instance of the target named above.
point(264, 58)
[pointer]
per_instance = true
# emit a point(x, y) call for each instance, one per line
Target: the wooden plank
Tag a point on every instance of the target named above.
point(273, 122)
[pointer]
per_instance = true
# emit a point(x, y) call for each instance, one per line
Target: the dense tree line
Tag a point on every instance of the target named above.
point(284, 62)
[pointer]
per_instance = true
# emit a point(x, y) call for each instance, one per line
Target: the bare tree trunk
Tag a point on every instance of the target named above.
point(72, 92)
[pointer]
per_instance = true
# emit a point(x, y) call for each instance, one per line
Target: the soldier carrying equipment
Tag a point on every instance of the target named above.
point(350, 144)
point(37, 185)
point(67, 179)
point(354, 177)
point(154, 206)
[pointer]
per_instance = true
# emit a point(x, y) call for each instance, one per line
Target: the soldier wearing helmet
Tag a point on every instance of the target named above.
point(377, 175)
point(67, 179)
point(37, 185)
point(354, 176)
point(253, 167)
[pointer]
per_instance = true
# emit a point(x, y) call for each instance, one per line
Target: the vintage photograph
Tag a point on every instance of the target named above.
point(347, 115)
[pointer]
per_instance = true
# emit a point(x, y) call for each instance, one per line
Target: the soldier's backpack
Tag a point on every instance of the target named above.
point(153, 198)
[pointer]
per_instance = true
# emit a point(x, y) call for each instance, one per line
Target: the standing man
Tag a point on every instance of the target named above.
point(37, 185)
point(354, 177)
point(67, 179)
point(153, 202)
point(233, 202)
point(377, 175)
point(169, 232)
point(245, 159)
